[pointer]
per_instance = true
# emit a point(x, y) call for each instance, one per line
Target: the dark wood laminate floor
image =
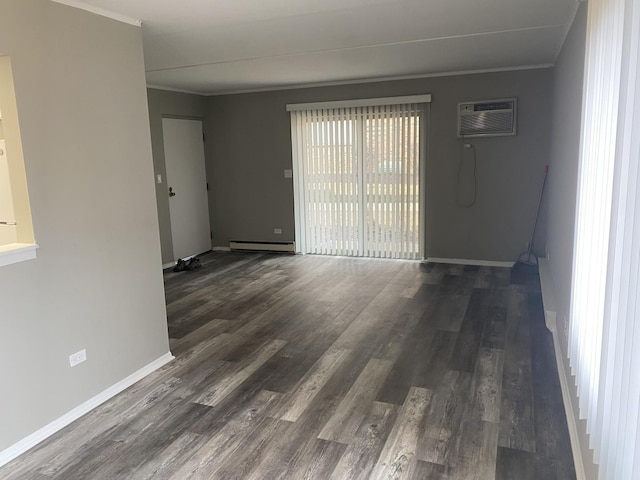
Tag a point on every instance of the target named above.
point(303, 367)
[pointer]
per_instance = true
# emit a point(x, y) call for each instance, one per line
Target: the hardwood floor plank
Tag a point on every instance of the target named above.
point(311, 384)
point(455, 270)
point(441, 440)
point(335, 317)
point(493, 277)
point(167, 461)
point(257, 450)
point(433, 273)
point(34, 476)
point(495, 329)
point(483, 279)
point(291, 366)
point(370, 329)
point(398, 457)
point(362, 452)
point(553, 457)
point(343, 424)
point(512, 464)
point(316, 461)
point(210, 457)
point(211, 329)
point(449, 310)
point(432, 471)
point(186, 322)
point(194, 357)
point(429, 372)
point(478, 451)
point(465, 353)
point(253, 293)
point(487, 384)
point(58, 451)
point(517, 427)
point(423, 300)
point(230, 382)
point(423, 362)
point(134, 443)
point(392, 346)
point(284, 447)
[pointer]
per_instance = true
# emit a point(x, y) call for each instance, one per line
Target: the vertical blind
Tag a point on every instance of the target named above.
point(357, 179)
point(604, 333)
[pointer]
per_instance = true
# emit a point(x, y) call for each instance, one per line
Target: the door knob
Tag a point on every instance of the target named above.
point(171, 192)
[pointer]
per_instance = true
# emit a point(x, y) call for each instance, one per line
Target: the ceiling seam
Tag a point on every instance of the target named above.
point(359, 47)
point(211, 93)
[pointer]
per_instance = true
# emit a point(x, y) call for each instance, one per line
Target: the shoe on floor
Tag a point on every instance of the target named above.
point(194, 263)
point(180, 266)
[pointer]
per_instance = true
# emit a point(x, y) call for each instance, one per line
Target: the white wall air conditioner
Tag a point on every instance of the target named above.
point(488, 118)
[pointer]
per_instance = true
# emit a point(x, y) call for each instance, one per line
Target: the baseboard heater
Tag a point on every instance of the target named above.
point(262, 246)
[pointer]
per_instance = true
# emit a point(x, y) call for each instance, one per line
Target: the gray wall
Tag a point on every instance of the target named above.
point(96, 282)
point(163, 103)
point(565, 145)
point(251, 146)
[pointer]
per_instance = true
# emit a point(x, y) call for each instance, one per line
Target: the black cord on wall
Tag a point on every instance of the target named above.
point(459, 196)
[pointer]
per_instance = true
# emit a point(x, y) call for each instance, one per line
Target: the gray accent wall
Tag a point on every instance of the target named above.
point(96, 282)
point(166, 104)
point(563, 179)
point(250, 147)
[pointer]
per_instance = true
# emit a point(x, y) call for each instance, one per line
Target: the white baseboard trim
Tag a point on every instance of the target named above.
point(241, 245)
point(548, 298)
point(568, 410)
point(168, 265)
point(550, 315)
point(221, 249)
point(462, 261)
point(45, 432)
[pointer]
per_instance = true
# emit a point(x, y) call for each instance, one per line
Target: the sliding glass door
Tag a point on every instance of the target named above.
point(357, 173)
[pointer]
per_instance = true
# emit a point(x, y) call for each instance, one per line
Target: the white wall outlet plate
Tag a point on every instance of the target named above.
point(277, 231)
point(78, 357)
point(288, 174)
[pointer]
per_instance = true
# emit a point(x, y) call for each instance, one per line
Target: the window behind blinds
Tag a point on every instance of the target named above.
point(357, 173)
point(604, 332)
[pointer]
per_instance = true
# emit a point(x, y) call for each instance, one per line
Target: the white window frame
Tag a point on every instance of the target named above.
point(298, 189)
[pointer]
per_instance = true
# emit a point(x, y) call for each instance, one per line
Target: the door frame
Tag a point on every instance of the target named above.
point(166, 186)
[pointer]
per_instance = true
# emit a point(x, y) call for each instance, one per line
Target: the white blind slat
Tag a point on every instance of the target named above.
point(357, 170)
point(604, 332)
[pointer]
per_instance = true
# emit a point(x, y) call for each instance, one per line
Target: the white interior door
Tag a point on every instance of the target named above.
point(187, 186)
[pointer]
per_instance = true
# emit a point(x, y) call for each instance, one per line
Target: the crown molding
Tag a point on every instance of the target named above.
point(100, 11)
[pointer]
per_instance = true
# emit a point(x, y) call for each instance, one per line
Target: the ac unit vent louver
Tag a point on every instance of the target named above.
point(487, 118)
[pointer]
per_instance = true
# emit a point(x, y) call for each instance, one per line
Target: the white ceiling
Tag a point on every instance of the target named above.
point(222, 46)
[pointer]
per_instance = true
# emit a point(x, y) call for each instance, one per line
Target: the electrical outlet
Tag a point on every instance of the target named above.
point(78, 357)
point(288, 174)
point(566, 327)
point(277, 231)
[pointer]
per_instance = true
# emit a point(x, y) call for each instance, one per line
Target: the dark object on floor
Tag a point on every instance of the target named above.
point(191, 264)
point(194, 263)
point(180, 266)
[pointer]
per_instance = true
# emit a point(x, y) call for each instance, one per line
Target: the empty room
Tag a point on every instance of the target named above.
point(356, 239)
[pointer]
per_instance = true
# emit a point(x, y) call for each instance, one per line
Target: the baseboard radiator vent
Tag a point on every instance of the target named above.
point(262, 246)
